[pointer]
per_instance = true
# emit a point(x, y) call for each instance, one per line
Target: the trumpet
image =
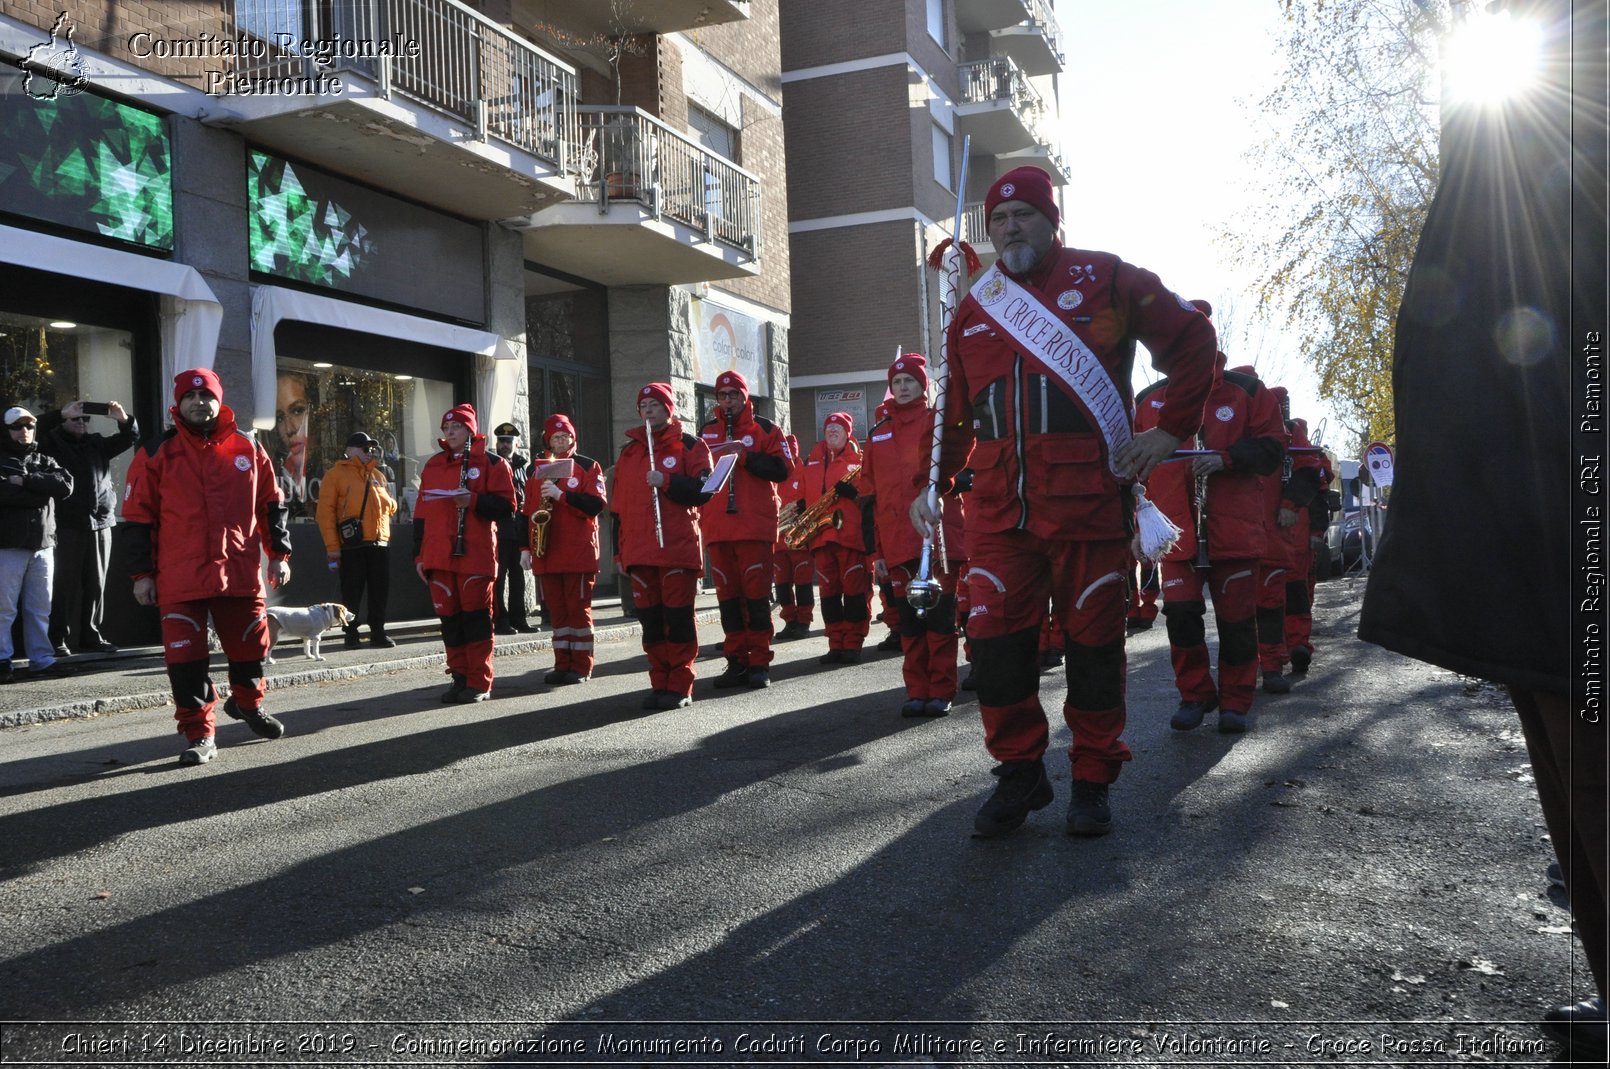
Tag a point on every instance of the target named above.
point(539, 530)
point(822, 514)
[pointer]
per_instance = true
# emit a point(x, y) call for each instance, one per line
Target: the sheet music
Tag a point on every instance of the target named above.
point(720, 473)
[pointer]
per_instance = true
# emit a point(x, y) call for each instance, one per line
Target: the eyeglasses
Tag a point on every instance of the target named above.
point(77, 419)
point(728, 395)
point(19, 426)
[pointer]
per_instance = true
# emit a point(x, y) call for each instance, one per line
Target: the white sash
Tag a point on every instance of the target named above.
point(1052, 344)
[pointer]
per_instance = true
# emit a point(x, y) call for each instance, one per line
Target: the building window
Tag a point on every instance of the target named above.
point(46, 365)
point(942, 157)
point(712, 133)
point(936, 21)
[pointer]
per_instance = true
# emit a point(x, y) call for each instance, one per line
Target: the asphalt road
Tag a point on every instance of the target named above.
point(786, 876)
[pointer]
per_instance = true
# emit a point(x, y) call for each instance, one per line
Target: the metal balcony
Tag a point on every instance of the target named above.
point(1044, 157)
point(1035, 44)
point(999, 109)
point(652, 207)
point(977, 16)
point(436, 100)
point(602, 19)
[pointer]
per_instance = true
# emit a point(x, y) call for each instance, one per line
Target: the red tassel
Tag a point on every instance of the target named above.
point(936, 259)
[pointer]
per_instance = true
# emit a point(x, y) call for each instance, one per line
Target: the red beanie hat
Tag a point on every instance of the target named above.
point(197, 378)
point(662, 392)
point(731, 380)
point(913, 364)
point(557, 424)
point(1030, 185)
point(843, 419)
point(1204, 307)
point(464, 414)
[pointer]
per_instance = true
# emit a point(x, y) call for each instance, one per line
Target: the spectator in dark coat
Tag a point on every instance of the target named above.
point(31, 484)
point(84, 522)
point(1506, 293)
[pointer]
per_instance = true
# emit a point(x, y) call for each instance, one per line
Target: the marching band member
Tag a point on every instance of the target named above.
point(202, 509)
point(464, 492)
point(896, 462)
point(562, 548)
point(1033, 402)
point(740, 527)
point(1311, 520)
point(793, 574)
point(659, 481)
point(1241, 424)
point(836, 549)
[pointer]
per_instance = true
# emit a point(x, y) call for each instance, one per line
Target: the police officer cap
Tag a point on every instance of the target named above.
point(506, 430)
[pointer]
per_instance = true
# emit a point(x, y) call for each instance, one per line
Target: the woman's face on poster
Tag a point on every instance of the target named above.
point(291, 412)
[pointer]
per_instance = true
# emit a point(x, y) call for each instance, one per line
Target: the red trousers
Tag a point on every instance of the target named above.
point(664, 600)
point(463, 603)
point(842, 575)
point(743, 574)
point(569, 597)
point(1271, 615)
point(242, 631)
point(1299, 626)
point(794, 574)
point(1232, 584)
point(929, 641)
point(1012, 575)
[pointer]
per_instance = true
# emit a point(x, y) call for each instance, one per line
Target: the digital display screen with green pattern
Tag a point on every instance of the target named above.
point(85, 162)
point(310, 226)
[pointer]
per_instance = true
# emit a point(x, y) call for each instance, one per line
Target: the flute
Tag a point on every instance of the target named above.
point(659, 527)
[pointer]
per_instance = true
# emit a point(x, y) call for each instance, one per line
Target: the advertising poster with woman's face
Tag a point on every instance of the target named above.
point(293, 409)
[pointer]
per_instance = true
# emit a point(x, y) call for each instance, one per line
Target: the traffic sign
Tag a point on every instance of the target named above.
point(1378, 458)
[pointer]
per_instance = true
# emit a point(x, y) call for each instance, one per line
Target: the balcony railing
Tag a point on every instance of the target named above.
point(999, 79)
point(975, 229)
point(439, 51)
point(1042, 15)
point(629, 155)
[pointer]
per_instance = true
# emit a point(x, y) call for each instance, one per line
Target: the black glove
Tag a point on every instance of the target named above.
point(846, 489)
point(963, 481)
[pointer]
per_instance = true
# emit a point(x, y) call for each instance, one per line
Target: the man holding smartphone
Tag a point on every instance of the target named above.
point(84, 521)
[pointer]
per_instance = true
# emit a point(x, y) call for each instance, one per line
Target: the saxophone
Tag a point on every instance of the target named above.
point(822, 514)
point(540, 519)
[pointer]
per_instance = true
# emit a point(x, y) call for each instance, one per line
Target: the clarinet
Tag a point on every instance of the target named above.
point(1202, 560)
point(459, 548)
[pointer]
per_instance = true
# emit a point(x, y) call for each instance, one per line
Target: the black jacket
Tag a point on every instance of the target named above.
point(28, 512)
point(1474, 572)
point(88, 459)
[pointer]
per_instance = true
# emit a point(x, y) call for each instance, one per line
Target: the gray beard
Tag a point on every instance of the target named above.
point(1019, 259)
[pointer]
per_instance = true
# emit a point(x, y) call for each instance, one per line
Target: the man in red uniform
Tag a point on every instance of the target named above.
point(660, 545)
point(740, 528)
point(1039, 400)
point(793, 573)
point(1310, 520)
point(1242, 426)
point(837, 550)
point(464, 491)
point(201, 504)
point(896, 461)
point(567, 562)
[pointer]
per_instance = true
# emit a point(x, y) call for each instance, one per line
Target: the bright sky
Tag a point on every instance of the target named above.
point(1158, 109)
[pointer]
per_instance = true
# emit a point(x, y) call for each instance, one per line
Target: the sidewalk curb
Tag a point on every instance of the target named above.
point(89, 708)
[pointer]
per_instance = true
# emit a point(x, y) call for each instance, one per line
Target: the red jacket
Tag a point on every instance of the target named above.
point(199, 508)
point(1242, 420)
point(1039, 459)
point(491, 486)
point(897, 459)
point(573, 520)
point(746, 511)
point(686, 461)
point(820, 474)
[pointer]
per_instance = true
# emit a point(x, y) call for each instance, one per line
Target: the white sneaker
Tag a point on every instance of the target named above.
point(201, 751)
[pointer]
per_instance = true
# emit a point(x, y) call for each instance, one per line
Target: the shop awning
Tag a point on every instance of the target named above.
point(191, 314)
point(270, 304)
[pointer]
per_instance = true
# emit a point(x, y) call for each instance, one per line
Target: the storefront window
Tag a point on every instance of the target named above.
point(319, 405)
point(48, 364)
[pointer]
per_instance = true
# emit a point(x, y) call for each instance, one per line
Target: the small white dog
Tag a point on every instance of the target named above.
point(306, 624)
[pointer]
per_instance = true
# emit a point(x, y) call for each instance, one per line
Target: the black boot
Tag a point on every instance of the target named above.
point(735, 675)
point(1022, 787)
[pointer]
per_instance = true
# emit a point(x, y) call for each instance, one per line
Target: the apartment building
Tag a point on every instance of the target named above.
point(879, 98)
point(362, 212)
